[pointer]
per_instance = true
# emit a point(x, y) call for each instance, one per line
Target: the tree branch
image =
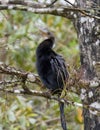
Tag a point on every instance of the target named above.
point(47, 95)
point(22, 2)
point(38, 8)
point(75, 80)
point(4, 69)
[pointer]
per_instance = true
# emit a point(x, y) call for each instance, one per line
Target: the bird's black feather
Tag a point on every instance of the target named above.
point(52, 70)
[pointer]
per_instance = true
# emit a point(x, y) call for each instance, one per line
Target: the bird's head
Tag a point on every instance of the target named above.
point(48, 36)
point(44, 31)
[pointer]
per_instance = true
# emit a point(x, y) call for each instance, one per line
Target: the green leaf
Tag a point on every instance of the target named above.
point(11, 116)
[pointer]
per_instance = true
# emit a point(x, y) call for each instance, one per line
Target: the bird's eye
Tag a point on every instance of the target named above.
point(49, 33)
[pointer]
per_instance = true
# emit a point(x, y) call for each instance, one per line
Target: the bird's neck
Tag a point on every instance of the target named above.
point(52, 39)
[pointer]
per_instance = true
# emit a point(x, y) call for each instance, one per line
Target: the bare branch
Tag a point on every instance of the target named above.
point(74, 80)
point(24, 75)
point(27, 3)
point(50, 97)
point(38, 8)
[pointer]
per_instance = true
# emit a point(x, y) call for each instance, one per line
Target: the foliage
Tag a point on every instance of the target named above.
point(19, 37)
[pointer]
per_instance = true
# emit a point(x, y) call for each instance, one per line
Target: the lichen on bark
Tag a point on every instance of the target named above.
point(88, 30)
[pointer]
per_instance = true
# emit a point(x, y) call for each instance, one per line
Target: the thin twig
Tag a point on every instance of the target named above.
point(52, 3)
point(70, 3)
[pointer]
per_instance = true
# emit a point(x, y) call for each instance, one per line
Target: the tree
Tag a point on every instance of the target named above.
point(85, 16)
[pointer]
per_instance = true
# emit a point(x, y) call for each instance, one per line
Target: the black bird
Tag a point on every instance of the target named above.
point(52, 70)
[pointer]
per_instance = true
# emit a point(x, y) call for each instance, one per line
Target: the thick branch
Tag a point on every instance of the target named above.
point(22, 2)
point(38, 8)
point(4, 69)
point(47, 95)
point(74, 80)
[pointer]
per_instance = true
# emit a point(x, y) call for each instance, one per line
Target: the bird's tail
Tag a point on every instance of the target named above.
point(62, 116)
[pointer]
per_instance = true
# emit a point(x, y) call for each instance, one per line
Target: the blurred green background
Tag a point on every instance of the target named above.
point(19, 38)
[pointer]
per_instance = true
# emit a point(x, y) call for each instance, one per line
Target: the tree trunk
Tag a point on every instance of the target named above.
point(88, 30)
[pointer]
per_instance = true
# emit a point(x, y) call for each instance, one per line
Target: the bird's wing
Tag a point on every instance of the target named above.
point(58, 66)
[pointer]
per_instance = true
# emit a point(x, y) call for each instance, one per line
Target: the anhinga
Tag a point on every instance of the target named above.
point(52, 70)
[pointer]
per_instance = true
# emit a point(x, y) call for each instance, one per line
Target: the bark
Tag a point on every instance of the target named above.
point(88, 30)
